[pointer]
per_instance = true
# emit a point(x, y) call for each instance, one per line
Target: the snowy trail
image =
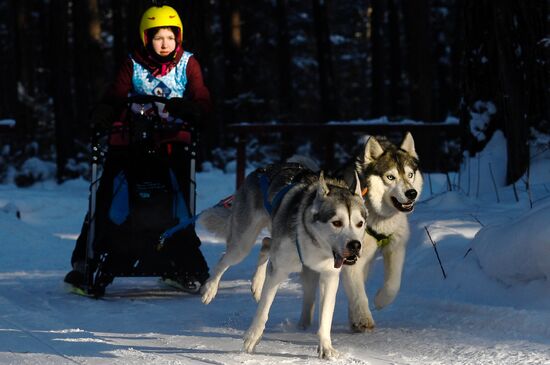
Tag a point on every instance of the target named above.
point(467, 318)
point(141, 331)
point(65, 328)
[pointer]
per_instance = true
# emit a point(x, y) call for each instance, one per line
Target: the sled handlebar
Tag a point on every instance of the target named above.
point(143, 124)
point(144, 99)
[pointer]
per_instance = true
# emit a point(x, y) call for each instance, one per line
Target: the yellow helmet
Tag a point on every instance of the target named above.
point(159, 16)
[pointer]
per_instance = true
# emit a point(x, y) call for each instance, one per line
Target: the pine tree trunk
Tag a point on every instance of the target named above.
point(379, 89)
point(25, 64)
point(327, 81)
point(284, 60)
point(61, 85)
point(514, 47)
point(232, 53)
point(89, 71)
point(396, 87)
point(478, 79)
point(8, 96)
point(420, 59)
point(120, 34)
point(457, 50)
point(284, 63)
point(126, 18)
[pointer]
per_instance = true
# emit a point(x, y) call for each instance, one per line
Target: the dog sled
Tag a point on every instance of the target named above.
point(141, 212)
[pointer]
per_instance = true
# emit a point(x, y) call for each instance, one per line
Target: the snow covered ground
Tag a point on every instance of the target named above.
point(493, 307)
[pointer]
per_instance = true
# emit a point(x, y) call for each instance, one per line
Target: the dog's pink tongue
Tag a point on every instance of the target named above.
point(338, 261)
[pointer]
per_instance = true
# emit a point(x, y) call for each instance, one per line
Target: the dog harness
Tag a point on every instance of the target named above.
point(271, 206)
point(274, 204)
point(382, 240)
point(265, 181)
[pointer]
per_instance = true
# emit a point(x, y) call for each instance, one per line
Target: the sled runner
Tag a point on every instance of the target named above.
point(139, 217)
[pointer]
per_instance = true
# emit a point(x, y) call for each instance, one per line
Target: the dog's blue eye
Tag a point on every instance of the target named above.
point(411, 175)
point(390, 177)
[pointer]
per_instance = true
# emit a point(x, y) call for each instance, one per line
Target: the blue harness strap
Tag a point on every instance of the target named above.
point(181, 225)
point(264, 187)
point(186, 221)
point(180, 212)
point(270, 206)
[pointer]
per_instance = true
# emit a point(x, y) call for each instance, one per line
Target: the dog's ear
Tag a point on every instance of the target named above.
point(323, 189)
point(373, 150)
point(358, 190)
point(408, 145)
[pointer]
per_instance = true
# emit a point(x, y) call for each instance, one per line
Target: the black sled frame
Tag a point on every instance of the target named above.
point(96, 278)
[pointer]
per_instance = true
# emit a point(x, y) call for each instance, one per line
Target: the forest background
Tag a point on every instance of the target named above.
point(481, 63)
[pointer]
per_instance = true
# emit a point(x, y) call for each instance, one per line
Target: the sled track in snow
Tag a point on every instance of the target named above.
point(41, 341)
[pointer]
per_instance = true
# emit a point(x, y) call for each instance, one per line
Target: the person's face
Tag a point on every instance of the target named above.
point(164, 42)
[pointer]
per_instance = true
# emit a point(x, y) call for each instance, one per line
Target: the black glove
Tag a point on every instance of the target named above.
point(185, 109)
point(102, 117)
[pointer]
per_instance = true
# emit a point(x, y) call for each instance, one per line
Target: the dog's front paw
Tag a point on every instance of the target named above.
point(209, 291)
point(326, 351)
point(363, 325)
point(251, 339)
point(384, 297)
point(360, 319)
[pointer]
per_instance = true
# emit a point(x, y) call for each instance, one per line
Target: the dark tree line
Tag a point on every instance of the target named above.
point(288, 60)
point(506, 59)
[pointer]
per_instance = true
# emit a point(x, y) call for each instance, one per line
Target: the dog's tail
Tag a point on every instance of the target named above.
point(217, 220)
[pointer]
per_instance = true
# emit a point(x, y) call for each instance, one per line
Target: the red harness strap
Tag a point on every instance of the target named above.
point(226, 202)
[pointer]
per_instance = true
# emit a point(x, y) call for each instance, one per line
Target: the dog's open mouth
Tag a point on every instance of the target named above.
point(403, 207)
point(339, 260)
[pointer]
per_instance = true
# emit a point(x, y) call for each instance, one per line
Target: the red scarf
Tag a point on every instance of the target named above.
point(156, 65)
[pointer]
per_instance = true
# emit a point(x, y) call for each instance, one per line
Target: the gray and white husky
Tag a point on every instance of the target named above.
point(391, 183)
point(316, 223)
